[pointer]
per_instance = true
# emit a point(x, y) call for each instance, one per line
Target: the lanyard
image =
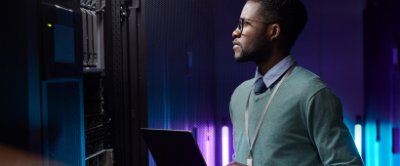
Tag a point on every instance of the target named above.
point(261, 120)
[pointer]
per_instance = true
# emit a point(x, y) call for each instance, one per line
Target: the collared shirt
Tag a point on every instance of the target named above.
point(276, 71)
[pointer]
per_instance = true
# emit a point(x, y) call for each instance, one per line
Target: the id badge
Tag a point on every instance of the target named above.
point(249, 162)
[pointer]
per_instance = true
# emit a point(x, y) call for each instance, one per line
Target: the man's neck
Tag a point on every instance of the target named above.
point(265, 65)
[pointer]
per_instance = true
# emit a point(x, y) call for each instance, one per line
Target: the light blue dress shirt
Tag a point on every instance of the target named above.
point(275, 72)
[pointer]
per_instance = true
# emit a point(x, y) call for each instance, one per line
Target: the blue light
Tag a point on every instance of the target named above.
point(358, 137)
point(377, 153)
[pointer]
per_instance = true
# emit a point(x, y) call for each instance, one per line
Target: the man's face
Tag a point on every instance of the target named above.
point(251, 44)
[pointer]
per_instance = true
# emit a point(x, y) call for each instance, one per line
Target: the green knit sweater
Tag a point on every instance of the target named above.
point(303, 126)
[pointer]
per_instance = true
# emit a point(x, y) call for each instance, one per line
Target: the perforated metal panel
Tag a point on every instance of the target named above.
point(181, 68)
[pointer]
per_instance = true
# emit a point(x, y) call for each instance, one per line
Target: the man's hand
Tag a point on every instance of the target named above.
point(234, 163)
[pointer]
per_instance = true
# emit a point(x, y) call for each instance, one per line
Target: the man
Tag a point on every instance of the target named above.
point(285, 115)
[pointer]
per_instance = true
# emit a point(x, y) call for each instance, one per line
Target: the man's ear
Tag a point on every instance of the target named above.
point(274, 31)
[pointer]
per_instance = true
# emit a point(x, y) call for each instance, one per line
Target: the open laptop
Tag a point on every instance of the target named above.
point(173, 147)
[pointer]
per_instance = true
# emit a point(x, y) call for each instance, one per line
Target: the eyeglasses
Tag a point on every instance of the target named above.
point(242, 21)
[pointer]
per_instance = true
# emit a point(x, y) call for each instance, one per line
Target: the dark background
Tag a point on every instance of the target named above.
point(169, 64)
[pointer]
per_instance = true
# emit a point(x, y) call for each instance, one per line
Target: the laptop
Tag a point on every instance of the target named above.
point(173, 147)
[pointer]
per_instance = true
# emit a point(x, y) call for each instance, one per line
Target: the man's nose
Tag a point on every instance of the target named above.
point(236, 33)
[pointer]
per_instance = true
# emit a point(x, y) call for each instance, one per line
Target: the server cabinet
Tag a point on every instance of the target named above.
point(125, 81)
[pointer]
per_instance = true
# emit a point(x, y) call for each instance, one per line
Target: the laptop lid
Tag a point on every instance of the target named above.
point(173, 147)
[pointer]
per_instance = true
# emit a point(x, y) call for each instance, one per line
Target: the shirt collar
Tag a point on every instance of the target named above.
point(276, 71)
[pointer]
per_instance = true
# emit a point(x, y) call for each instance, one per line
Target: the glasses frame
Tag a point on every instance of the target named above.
point(240, 26)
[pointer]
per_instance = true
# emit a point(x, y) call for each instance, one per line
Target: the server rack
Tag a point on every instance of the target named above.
point(114, 66)
point(98, 148)
point(73, 81)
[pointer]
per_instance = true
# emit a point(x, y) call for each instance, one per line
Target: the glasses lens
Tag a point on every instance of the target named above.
point(240, 26)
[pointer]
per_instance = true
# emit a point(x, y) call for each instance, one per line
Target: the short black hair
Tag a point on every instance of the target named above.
point(290, 14)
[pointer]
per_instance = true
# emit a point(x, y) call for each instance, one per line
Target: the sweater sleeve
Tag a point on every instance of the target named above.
point(327, 131)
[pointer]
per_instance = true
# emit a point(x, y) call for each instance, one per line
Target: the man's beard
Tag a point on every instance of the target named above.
point(258, 52)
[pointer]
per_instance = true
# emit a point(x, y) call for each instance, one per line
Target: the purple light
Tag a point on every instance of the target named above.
point(208, 160)
point(225, 145)
point(206, 143)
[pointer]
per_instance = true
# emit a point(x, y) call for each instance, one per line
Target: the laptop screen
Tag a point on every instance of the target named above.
point(173, 147)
